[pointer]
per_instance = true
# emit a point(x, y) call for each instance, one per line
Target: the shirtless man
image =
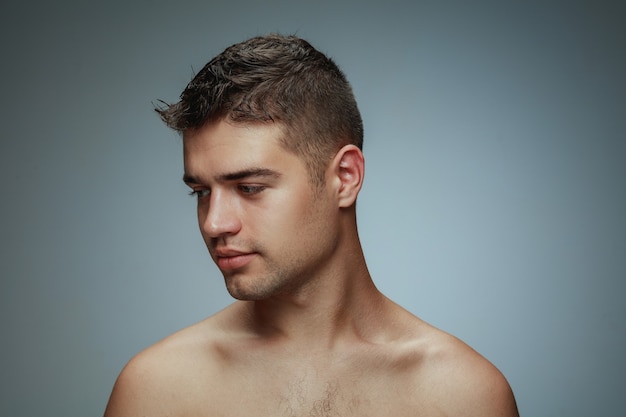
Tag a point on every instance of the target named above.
point(272, 150)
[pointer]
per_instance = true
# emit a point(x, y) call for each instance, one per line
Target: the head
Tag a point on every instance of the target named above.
point(279, 80)
point(267, 228)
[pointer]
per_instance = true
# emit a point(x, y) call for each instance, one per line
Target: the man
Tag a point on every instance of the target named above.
point(272, 141)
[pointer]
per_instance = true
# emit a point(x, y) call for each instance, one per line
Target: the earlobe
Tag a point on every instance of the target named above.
point(350, 169)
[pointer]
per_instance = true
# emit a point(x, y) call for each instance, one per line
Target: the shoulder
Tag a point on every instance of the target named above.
point(163, 375)
point(460, 380)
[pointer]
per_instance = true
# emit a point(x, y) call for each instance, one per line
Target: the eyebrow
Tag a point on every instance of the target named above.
point(237, 175)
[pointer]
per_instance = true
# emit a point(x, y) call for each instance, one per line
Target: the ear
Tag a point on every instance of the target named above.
point(349, 169)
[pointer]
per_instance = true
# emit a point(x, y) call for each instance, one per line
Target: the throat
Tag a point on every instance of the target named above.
point(319, 319)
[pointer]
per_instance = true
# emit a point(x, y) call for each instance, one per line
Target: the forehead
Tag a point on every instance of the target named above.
point(224, 147)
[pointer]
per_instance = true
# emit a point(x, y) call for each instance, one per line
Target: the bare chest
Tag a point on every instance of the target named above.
point(332, 398)
point(310, 396)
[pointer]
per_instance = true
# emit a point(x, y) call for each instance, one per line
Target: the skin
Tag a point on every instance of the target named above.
point(310, 334)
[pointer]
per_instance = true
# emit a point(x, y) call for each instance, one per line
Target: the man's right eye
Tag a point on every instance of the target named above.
point(200, 193)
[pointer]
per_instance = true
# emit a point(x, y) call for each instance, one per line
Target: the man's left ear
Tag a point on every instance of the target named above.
point(349, 169)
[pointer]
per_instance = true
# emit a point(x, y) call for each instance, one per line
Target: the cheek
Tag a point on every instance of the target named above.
point(287, 217)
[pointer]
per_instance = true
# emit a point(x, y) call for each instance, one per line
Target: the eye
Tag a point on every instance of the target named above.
point(200, 193)
point(247, 189)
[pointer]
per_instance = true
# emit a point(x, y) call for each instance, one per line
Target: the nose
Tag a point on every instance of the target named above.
point(219, 217)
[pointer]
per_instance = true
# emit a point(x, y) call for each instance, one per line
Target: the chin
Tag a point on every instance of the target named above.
point(242, 292)
point(260, 287)
point(247, 296)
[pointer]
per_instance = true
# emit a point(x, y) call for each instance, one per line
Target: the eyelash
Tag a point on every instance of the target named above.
point(197, 193)
point(251, 189)
point(244, 189)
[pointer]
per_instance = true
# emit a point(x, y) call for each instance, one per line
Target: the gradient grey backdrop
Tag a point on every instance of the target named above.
point(494, 204)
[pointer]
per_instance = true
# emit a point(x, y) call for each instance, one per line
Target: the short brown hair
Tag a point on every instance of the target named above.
point(280, 79)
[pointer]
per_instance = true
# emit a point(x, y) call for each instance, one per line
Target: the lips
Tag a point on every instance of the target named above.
point(228, 260)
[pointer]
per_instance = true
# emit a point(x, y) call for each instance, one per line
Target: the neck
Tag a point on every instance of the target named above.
point(340, 304)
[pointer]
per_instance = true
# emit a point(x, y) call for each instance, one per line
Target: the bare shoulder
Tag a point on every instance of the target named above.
point(460, 380)
point(164, 375)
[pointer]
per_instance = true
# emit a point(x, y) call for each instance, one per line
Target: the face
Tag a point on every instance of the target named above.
point(267, 228)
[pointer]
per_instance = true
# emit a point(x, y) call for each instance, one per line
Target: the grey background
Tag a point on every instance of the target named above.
point(493, 206)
